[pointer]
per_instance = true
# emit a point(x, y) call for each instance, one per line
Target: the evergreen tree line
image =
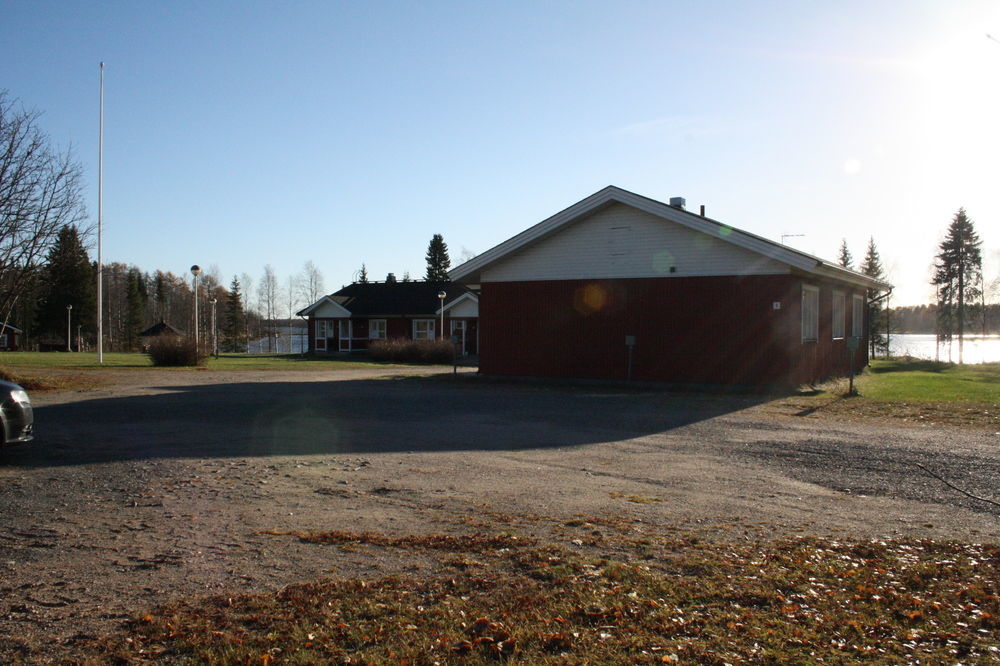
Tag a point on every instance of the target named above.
point(879, 313)
point(985, 319)
point(134, 300)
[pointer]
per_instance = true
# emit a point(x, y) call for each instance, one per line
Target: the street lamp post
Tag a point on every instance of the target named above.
point(215, 344)
point(195, 271)
point(441, 296)
point(69, 328)
point(79, 338)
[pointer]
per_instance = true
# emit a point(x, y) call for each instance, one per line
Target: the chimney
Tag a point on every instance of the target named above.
point(677, 202)
point(703, 210)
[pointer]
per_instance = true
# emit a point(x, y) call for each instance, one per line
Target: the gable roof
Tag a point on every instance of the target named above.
point(326, 300)
point(470, 272)
point(162, 328)
point(390, 299)
point(465, 296)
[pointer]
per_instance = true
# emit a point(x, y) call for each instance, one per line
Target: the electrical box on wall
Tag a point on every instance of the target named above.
point(776, 305)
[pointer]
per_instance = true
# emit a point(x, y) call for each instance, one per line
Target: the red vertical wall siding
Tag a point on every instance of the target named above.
point(718, 330)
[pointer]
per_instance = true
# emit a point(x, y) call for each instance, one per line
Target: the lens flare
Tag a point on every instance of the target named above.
point(590, 299)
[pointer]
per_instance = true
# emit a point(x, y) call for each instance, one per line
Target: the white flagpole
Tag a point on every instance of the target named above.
point(100, 220)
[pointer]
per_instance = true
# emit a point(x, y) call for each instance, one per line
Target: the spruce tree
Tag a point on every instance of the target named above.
point(438, 262)
point(878, 314)
point(958, 272)
point(234, 319)
point(69, 279)
point(845, 259)
point(135, 299)
point(363, 275)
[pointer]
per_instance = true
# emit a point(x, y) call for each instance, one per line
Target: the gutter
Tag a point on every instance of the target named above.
point(885, 295)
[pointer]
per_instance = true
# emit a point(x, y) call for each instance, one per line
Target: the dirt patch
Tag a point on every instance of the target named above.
point(165, 485)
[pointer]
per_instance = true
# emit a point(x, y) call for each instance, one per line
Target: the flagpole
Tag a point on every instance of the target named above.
point(100, 220)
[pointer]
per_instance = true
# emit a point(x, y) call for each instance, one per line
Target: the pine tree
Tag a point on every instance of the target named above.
point(957, 275)
point(234, 320)
point(878, 314)
point(438, 262)
point(363, 275)
point(845, 259)
point(69, 279)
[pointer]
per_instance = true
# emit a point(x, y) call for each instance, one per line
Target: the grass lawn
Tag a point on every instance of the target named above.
point(52, 371)
point(914, 391)
point(56, 360)
point(917, 380)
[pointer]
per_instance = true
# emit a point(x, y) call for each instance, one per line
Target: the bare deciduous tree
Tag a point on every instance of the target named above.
point(40, 193)
point(311, 284)
point(267, 295)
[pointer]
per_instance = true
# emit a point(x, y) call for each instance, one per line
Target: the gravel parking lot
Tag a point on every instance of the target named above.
point(170, 484)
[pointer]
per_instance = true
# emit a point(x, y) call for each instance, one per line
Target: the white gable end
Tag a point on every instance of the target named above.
point(330, 309)
point(466, 308)
point(623, 242)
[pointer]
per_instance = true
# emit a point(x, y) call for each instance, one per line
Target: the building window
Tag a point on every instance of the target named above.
point(839, 312)
point(857, 316)
point(810, 313)
point(423, 329)
point(376, 329)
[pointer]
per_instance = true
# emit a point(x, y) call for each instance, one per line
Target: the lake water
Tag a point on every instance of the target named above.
point(977, 348)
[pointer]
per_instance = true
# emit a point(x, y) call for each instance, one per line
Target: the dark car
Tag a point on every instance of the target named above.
point(15, 413)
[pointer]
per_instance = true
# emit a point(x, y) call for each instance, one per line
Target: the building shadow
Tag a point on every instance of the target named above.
point(396, 414)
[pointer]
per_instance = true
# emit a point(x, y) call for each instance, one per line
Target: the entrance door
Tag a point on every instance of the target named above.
point(345, 335)
point(458, 329)
point(322, 334)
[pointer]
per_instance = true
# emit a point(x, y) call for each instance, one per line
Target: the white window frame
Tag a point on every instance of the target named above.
point(344, 326)
point(857, 316)
point(810, 313)
point(838, 312)
point(3, 340)
point(376, 329)
point(423, 329)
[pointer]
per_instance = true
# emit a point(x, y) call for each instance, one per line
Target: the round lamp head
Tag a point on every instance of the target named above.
point(441, 295)
point(196, 270)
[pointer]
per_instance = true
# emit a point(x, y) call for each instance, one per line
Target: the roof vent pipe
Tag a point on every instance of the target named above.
point(703, 210)
point(677, 202)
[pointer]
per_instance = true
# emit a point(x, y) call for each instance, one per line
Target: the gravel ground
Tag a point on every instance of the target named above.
point(163, 485)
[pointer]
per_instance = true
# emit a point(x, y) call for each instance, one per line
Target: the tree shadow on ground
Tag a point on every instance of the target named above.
point(396, 414)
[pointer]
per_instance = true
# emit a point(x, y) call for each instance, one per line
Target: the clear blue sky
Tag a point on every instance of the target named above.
point(245, 133)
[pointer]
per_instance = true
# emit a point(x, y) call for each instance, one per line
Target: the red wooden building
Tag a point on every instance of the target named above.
point(348, 320)
point(619, 286)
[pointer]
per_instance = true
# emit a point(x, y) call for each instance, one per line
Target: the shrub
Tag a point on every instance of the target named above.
point(172, 351)
point(401, 350)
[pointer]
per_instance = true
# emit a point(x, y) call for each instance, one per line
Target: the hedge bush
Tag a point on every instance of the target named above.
point(401, 350)
point(172, 351)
